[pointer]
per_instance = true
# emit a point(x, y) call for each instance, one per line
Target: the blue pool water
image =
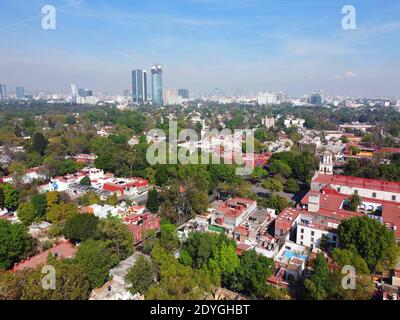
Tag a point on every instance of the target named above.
point(289, 254)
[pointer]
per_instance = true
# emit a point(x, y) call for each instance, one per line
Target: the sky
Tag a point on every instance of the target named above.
point(239, 46)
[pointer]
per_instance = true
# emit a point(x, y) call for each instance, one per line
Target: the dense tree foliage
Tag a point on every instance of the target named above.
point(141, 276)
point(96, 260)
point(71, 284)
point(81, 227)
point(371, 240)
point(15, 243)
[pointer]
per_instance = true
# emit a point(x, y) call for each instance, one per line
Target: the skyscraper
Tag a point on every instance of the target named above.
point(139, 86)
point(73, 90)
point(157, 85)
point(88, 93)
point(81, 92)
point(3, 92)
point(183, 93)
point(20, 92)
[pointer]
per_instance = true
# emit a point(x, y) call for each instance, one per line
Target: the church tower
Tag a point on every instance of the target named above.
point(326, 163)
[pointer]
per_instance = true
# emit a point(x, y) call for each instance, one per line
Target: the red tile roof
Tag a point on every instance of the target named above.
point(286, 219)
point(355, 182)
point(63, 250)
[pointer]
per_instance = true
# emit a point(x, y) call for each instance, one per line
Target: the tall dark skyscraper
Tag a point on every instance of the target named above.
point(183, 93)
point(88, 93)
point(3, 91)
point(20, 92)
point(157, 85)
point(139, 86)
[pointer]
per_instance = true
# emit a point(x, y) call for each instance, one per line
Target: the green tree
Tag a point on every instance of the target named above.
point(281, 168)
point(14, 243)
point(60, 212)
point(71, 284)
point(371, 240)
point(11, 284)
point(251, 275)
point(27, 213)
point(318, 285)
point(85, 181)
point(176, 281)
point(273, 185)
point(116, 234)
point(112, 200)
point(39, 202)
point(258, 173)
point(141, 276)
point(95, 259)
point(39, 143)
point(81, 227)
point(2, 199)
point(169, 237)
point(11, 197)
point(354, 202)
point(292, 185)
point(153, 203)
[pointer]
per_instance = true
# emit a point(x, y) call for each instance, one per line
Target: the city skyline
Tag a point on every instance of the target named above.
point(204, 45)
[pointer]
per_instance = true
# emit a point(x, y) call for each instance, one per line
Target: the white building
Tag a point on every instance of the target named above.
point(268, 122)
point(294, 122)
point(326, 163)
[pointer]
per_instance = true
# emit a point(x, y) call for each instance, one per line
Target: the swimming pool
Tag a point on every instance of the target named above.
point(290, 254)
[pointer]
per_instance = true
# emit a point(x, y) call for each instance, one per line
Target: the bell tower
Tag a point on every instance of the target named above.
point(326, 163)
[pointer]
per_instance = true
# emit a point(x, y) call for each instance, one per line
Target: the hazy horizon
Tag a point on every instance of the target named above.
point(296, 47)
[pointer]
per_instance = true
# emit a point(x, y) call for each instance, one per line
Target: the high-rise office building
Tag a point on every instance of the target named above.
point(20, 92)
point(139, 86)
point(81, 92)
point(88, 93)
point(316, 99)
point(3, 91)
point(73, 90)
point(157, 85)
point(183, 93)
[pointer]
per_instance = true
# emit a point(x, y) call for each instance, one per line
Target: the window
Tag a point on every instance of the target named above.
point(393, 198)
point(302, 237)
point(301, 242)
point(373, 194)
point(312, 233)
point(312, 239)
point(355, 191)
point(302, 230)
point(334, 238)
point(338, 189)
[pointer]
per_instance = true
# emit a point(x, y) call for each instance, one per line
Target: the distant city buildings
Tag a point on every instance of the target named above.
point(20, 92)
point(139, 86)
point(157, 85)
point(265, 98)
point(316, 99)
point(127, 92)
point(172, 97)
point(88, 93)
point(3, 91)
point(183, 93)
